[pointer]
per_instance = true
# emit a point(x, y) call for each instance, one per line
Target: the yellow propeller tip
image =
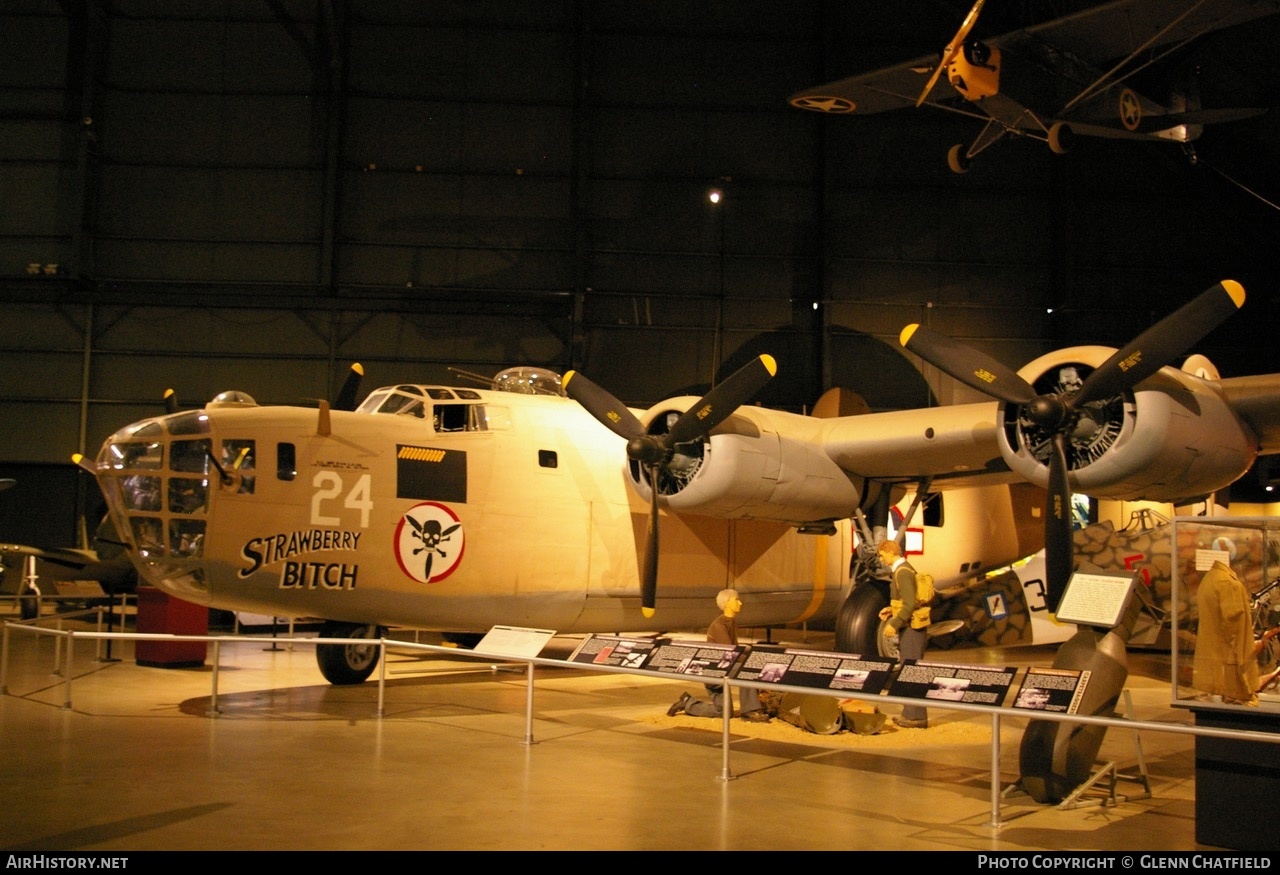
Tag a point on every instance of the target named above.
point(77, 458)
point(770, 364)
point(1235, 290)
point(568, 375)
point(648, 613)
point(905, 336)
point(358, 368)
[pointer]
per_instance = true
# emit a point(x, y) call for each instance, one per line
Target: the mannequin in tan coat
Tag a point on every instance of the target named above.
point(1224, 663)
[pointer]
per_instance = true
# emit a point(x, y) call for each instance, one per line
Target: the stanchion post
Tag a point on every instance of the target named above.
point(726, 714)
point(382, 677)
point(995, 770)
point(4, 663)
point(214, 710)
point(528, 704)
point(71, 638)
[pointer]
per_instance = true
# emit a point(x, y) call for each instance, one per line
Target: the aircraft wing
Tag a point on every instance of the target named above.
point(1256, 400)
point(1121, 29)
point(953, 446)
point(881, 90)
point(67, 557)
point(1072, 45)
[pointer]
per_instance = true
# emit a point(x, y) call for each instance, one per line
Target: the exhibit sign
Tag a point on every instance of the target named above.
point(702, 659)
point(815, 668)
point(1051, 689)
point(515, 641)
point(614, 650)
point(977, 684)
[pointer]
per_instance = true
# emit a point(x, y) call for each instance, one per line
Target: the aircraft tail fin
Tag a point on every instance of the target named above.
point(837, 401)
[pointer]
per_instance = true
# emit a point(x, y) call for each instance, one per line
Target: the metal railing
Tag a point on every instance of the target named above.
point(997, 713)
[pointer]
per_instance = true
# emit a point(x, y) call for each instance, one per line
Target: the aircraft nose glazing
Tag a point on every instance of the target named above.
point(158, 476)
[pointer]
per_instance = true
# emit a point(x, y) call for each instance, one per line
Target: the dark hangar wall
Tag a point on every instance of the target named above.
point(252, 194)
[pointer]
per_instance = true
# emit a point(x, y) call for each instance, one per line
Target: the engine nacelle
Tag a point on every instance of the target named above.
point(757, 464)
point(1173, 437)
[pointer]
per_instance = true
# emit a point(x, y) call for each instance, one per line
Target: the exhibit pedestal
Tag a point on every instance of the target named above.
point(1237, 782)
point(159, 612)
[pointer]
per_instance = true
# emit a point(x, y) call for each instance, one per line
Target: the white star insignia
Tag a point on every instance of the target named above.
point(823, 104)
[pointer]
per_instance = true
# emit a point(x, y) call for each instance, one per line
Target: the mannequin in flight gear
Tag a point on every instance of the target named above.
point(723, 630)
point(907, 619)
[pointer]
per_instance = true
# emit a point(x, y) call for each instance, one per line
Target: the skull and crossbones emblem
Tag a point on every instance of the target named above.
point(429, 542)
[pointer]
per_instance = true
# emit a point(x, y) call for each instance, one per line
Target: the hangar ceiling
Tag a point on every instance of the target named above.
point(254, 193)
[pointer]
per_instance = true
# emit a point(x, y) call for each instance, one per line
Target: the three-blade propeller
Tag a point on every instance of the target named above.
point(1057, 413)
point(654, 452)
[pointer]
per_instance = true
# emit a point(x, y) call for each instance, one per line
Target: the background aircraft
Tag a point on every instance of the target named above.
point(457, 509)
point(1075, 75)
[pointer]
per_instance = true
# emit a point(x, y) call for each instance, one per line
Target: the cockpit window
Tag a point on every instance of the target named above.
point(400, 400)
point(459, 417)
point(373, 401)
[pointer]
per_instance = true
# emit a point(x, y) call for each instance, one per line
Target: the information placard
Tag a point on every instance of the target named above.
point(615, 650)
point(816, 668)
point(515, 641)
point(979, 684)
point(1051, 689)
point(1095, 599)
point(700, 659)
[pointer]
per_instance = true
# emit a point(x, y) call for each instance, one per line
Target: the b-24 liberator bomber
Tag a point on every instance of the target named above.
point(457, 509)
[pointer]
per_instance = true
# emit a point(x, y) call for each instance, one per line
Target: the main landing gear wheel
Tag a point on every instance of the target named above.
point(29, 603)
point(345, 664)
point(957, 160)
point(858, 622)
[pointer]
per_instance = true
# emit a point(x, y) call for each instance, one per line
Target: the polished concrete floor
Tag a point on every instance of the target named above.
point(139, 762)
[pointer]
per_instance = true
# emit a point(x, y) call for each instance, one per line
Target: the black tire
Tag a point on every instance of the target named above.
point(29, 603)
point(858, 622)
point(346, 664)
point(1059, 138)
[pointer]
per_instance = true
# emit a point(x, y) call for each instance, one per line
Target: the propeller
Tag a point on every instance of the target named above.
point(655, 451)
point(953, 48)
point(346, 399)
point(1058, 414)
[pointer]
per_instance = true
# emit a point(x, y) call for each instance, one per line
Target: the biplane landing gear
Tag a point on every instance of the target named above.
point(345, 664)
point(858, 622)
point(957, 160)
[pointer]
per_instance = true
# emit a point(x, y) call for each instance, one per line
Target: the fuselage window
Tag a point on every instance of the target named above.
point(548, 459)
point(238, 458)
point(458, 417)
point(286, 461)
point(933, 510)
point(191, 457)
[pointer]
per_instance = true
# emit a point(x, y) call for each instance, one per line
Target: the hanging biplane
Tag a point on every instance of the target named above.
point(459, 509)
point(1074, 75)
